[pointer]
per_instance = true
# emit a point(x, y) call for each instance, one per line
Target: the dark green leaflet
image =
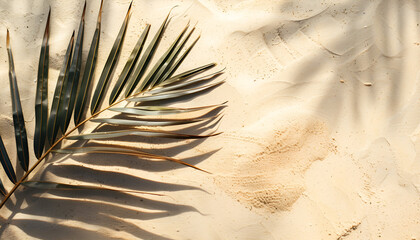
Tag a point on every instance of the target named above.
point(18, 120)
point(183, 84)
point(187, 74)
point(82, 94)
point(5, 161)
point(175, 66)
point(169, 68)
point(72, 81)
point(122, 80)
point(54, 120)
point(145, 60)
point(41, 99)
point(173, 94)
point(99, 93)
point(152, 77)
point(2, 190)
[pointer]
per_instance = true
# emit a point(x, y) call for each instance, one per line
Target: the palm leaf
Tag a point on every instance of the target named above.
point(174, 94)
point(122, 80)
point(54, 120)
point(72, 96)
point(18, 120)
point(154, 75)
point(99, 93)
point(178, 85)
point(41, 99)
point(174, 66)
point(188, 74)
point(82, 94)
point(144, 62)
point(72, 81)
point(5, 162)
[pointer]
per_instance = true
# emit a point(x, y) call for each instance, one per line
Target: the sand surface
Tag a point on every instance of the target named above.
point(320, 138)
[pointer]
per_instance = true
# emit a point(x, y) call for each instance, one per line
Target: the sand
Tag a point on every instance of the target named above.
point(321, 133)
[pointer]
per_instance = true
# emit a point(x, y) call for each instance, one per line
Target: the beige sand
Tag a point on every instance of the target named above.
point(321, 136)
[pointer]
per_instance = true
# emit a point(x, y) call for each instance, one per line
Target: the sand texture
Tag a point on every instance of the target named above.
point(320, 137)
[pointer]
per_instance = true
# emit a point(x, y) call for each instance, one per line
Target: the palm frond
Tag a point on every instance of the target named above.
point(173, 94)
point(141, 86)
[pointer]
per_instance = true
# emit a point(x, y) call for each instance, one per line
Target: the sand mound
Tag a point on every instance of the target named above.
point(267, 173)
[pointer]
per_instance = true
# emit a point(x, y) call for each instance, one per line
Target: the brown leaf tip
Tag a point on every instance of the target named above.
point(84, 11)
point(129, 9)
point(72, 36)
point(100, 12)
point(8, 39)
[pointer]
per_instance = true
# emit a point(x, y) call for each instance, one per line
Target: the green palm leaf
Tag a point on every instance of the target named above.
point(174, 94)
point(165, 69)
point(54, 120)
point(2, 189)
point(174, 66)
point(154, 75)
point(18, 120)
point(188, 74)
point(5, 162)
point(71, 97)
point(99, 93)
point(82, 95)
point(72, 80)
point(125, 74)
point(145, 60)
point(41, 99)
